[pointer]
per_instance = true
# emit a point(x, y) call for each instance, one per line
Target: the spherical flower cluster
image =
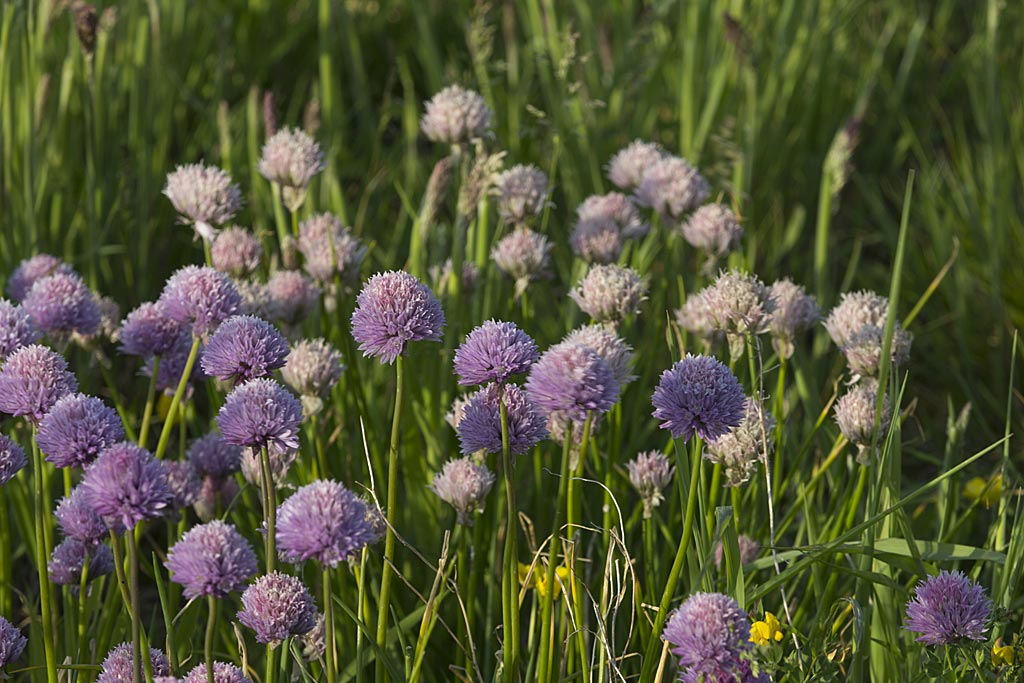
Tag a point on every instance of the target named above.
point(627, 168)
point(200, 297)
point(126, 485)
point(328, 248)
point(211, 559)
point(236, 251)
point(464, 485)
point(855, 414)
point(77, 518)
point(12, 459)
point(291, 158)
point(612, 348)
point(494, 352)
point(184, 482)
point(572, 378)
point(243, 348)
point(522, 193)
point(312, 369)
point(117, 667)
point(480, 426)
point(610, 293)
point(523, 255)
point(16, 328)
point(698, 395)
point(696, 318)
point(857, 326)
point(69, 558)
point(750, 442)
point(77, 429)
point(204, 196)
point(261, 414)
point(708, 630)
point(672, 187)
point(713, 228)
point(32, 269)
point(596, 240)
point(12, 642)
point(323, 521)
point(864, 350)
point(739, 304)
point(32, 380)
point(61, 305)
point(795, 311)
point(277, 606)
point(948, 609)
point(393, 309)
point(456, 115)
point(212, 456)
point(749, 548)
point(650, 472)
point(291, 297)
point(617, 208)
point(149, 331)
point(222, 673)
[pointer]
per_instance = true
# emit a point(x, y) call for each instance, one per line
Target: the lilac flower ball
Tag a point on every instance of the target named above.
point(148, 331)
point(572, 378)
point(212, 456)
point(795, 311)
point(200, 297)
point(204, 197)
point(222, 673)
point(393, 309)
point(312, 369)
point(12, 459)
point(464, 485)
point(522, 193)
point(650, 472)
point(596, 240)
point(523, 255)
point(672, 187)
point(243, 348)
point(612, 348)
point(291, 297)
point(328, 249)
point(236, 251)
point(291, 158)
point(739, 450)
point(323, 521)
point(277, 606)
point(77, 429)
point(713, 228)
point(69, 558)
point(126, 485)
point(480, 426)
point(261, 413)
point(948, 609)
point(698, 395)
point(627, 168)
point(117, 667)
point(696, 317)
point(615, 207)
point(32, 269)
point(494, 352)
point(32, 380)
point(184, 482)
point(62, 304)
point(456, 115)
point(609, 293)
point(12, 642)
point(16, 328)
point(211, 559)
point(708, 629)
point(77, 518)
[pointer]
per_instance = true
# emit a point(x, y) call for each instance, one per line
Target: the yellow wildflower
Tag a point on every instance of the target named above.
point(537, 578)
point(988, 492)
point(1003, 654)
point(766, 631)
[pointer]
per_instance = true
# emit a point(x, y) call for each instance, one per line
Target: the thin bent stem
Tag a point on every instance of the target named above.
point(165, 432)
point(147, 413)
point(42, 553)
point(269, 490)
point(389, 540)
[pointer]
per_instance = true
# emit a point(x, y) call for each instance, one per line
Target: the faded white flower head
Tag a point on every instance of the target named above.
point(610, 293)
point(739, 450)
point(627, 168)
point(204, 197)
point(673, 188)
point(795, 312)
point(855, 414)
point(522, 193)
point(456, 115)
point(713, 228)
point(616, 207)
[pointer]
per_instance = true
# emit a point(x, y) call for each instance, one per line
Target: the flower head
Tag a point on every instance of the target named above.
point(126, 485)
point(609, 293)
point(596, 240)
point(323, 521)
point(740, 449)
point(698, 395)
point(16, 328)
point(328, 248)
point(494, 352)
point(204, 196)
point(12, 642)
point(291, 158)
point(572, 378)
point(617, 208)
point(739, 304)
point(650, 472)
point(456, 115)
point(77, 429)
point(261, 413)
point(312, 369)
point(864, 349)
point(766, 631)
point(117, 667)
point(855, 414)
point(236, 251)
point(200, 297)
point(32, 380)
point(276, 606)
point(522, 193)
point(184, 482)
point(222, 673)
point(291, 297)
point(32, 269)
point(695, 317)
point(795, 311)
point(148, 331)
point(523, 255)
point(672, 187)
point(713, 228)
point(708, 629)
point(948, 609)
point(610, 346)
point(69, 558)
point(78, 519)
point(12, 459)
point(243, 348)
point(211, 559)
point(627, 168)
point(464, 485)
point(857, 326)
point(393, 309)
point(480, 426)
point(61, 305)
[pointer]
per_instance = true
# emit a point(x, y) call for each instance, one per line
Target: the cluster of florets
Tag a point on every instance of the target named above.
point(856, 413)
point(456, 115)
point(709, 635)
point(463, 484)
point(204, 197)
point(522, 193)
point(750, 442)
point(857, 326)
point(650, 473)
point(610, 293)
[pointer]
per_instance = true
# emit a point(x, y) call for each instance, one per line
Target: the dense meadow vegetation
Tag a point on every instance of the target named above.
point(522, 340)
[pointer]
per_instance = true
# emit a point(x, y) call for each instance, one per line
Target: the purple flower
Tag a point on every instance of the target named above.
point(77, 429)
point(713, 228)
point(672, 187)
point(184, 482)
point(12, 459)
point(236, 251)
point(615, 351)
point(127, 485)
point(947, 609)
point(16, 328)
point(32, 269)
point(480, 426)
point(739, 450)
point(572, 378)
point(609, 293)
point(261, 413)
point(795, 311)
point(62, 304)
point(212, 456)
point(463, 484)
point(32, 380)
point(323, 521)
point(69, 557)
point(291, 297)
point(493, 352)
point(148, 331)
point(291, 158)
point(222, 673)
point(708, 629)
point(244, 348)
point(393, 309)
point(698, 395)
point(627, 168)
point(204, 196)
point(749, 548)
point(200, 297)
point(117, 667)
point(312, 369)
point(78, 519)
point(455, 115)
point(276, 606)
point(650, 472)
point(696, 317)
point(211, 559)
point(328, 248)
point(12, 642)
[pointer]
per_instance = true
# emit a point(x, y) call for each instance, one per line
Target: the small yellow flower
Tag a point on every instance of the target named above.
point(988, 492)
point(767, 631)
point(537, 578)
point(1003, 654)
